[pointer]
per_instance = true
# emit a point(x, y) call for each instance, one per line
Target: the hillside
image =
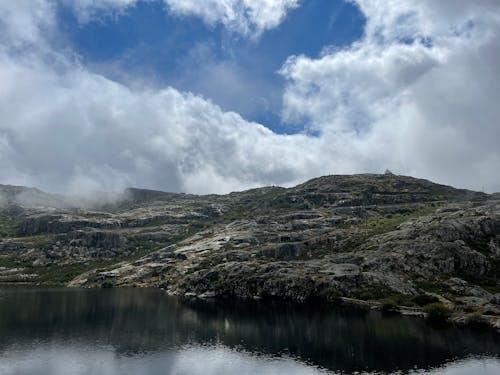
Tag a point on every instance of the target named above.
point(386, 239)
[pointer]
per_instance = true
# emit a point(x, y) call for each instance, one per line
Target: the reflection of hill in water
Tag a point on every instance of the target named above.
point(148, 321)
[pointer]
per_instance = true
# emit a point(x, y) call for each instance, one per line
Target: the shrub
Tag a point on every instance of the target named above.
point(329, 294)
point(425, 299)
point(107, 284)
point(373, 293)
point(437, 311)
point(476, 320)
point(389, 305)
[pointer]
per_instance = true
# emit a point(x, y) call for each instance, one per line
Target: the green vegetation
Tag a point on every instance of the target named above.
point(330, 294)
point(107, 284)
point(435, 286)
point(360, 233)
point(255, 201)
point(56, 274)
point(384, 295)
point(389, 223)
point(7, 262)
point(390, 300)
point(8, 226)
point(374, 293)
point(476, 320)
point(425, 299)
point(39, 241)
point(143, 246)
point(490, 281)
point(388, 305)
point(437, 311)
point(320, 221)
point(398, 300)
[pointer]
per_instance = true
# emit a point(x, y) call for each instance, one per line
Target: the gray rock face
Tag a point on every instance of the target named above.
point(62, 223)
point(363, 236)
point(495, 299)
point(11, 247)
point(283, 251)
point(448, 242)
point(88, 244)
point(325, 264)
point(96, 238)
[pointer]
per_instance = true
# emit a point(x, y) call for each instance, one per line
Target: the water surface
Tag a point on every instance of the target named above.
point(143, 331)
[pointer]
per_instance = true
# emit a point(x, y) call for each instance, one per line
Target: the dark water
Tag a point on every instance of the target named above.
point(132, 331)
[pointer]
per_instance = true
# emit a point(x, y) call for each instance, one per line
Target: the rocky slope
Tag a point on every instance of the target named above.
point(390, 240)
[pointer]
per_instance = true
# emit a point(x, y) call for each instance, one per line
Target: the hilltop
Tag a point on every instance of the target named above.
point(388, 240)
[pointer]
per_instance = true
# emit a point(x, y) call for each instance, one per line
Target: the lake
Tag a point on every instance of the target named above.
point(144, 331)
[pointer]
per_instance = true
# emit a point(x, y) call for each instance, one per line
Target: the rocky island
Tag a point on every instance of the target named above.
point(383, 241)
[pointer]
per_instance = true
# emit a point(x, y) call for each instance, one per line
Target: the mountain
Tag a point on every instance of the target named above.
point(28, 197)
point(380, 240)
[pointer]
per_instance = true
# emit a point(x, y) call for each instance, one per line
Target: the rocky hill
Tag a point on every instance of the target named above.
point(388, 240)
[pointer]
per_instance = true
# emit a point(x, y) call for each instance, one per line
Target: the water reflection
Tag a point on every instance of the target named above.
point(189, 360)
point(143, 331)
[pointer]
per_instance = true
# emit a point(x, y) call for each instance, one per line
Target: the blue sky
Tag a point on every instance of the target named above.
point(242, 75)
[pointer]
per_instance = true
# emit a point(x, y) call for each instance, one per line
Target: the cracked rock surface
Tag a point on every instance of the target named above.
point(367, 237)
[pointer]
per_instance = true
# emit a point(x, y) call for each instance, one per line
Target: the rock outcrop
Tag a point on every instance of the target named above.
point(379, 238)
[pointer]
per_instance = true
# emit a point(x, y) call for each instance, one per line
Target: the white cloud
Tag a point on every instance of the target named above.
point(427, 108)
point(25, 21)
point(66, 129)
point(418, 94)
point(74, 130)
point(248, 17)
point(390, 20)
point(87, 10)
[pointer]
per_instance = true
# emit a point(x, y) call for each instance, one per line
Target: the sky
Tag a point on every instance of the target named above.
point(213, 96)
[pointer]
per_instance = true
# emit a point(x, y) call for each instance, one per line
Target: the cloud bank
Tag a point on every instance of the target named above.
point(417, 94)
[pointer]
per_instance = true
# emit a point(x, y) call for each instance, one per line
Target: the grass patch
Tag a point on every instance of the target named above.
point(425, 299)
point(141, 246)
point(60, 274)
point(432, 286)
point(385, 295)
point(389, 223)
point(361, 232)
point(437, 311)
point(9, 226)
point(39, 241)
point(7, 262)
point(57, 274)
point(330, 294)
point(391, 300)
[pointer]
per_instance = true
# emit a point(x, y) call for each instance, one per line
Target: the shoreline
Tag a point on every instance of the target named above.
point(459, 318)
